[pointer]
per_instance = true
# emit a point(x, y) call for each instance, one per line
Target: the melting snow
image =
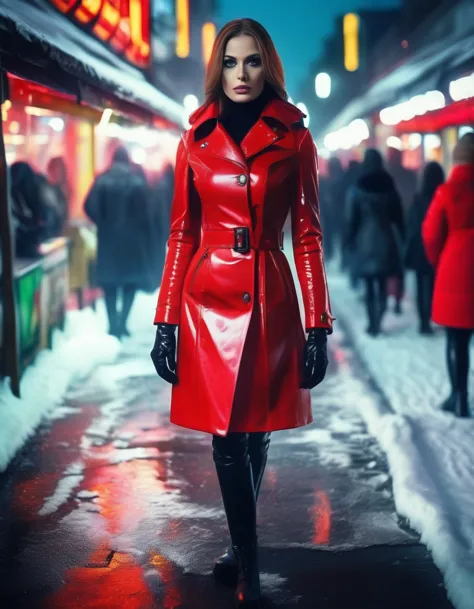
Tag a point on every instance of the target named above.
point(430, 453)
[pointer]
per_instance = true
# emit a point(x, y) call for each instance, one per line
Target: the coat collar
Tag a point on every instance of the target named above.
point(462, 172)
point(277, 119)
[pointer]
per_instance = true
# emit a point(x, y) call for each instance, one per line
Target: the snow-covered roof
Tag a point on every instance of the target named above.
point(35, 33)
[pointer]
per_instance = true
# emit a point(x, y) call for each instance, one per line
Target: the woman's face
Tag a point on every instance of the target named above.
point(242, 73)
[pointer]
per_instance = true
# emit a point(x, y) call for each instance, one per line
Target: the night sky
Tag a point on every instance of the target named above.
point(297, 27)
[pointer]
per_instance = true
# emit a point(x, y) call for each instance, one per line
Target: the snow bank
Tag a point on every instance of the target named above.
point(77, 351)
point(430, 453)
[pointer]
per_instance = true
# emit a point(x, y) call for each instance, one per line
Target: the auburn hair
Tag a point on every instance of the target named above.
point(271, 62)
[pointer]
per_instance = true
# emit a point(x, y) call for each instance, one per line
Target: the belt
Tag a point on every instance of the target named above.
point(240, 239)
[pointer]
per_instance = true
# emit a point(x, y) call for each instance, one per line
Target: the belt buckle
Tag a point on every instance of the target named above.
point(241, 240)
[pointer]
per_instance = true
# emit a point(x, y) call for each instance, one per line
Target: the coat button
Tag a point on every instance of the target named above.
point(242, 179)
point(324, 318)
point(246, 297)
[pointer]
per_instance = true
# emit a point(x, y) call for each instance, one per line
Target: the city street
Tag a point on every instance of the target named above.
point(109, 505)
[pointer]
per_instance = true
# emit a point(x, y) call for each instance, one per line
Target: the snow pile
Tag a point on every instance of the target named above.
point(430, 453)
point(77, 351)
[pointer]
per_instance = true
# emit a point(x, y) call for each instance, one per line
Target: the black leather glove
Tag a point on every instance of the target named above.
point(163, 353)
point(315, 358)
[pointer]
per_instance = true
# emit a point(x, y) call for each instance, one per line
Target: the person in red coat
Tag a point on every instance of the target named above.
point(244, 367)
point(448, 235)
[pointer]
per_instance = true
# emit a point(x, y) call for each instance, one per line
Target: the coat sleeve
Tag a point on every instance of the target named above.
point(307, 239)
point(396, 211)
point(183, 240)
point(92, 204)
point(435, 227)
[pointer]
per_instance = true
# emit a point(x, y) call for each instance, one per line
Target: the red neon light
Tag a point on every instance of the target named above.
point(65, 5)
point(88, 10)
point(125, 24)
point(109, 19)
point(454, 115)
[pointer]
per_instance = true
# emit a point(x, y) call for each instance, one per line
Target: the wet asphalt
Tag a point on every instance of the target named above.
point(109, 505)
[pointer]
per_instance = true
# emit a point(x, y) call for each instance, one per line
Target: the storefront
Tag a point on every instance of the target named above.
point(419, 106)
point(73, 87)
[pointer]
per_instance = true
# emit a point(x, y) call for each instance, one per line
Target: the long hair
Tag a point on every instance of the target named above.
point(433, 176)
point(271, 62)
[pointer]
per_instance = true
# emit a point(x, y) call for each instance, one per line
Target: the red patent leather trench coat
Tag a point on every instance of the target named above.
point(240, 340)
point(448, 234)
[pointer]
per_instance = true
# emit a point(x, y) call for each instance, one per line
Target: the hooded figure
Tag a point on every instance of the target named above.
point(375, 232)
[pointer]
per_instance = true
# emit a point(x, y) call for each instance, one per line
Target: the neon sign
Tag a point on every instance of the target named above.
point(124, 24)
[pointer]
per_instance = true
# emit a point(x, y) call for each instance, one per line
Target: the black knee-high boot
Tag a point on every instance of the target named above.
point(457, 358)
point(226, 569)
point(234, 472)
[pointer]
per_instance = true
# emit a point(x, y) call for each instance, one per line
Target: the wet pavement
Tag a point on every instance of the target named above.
point(111, 506)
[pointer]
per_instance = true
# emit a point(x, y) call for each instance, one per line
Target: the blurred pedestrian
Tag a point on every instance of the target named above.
point(56, 172)
point(375, 231)
point(331, 193)
point(415, 256)
point(244, 365)
point(119, 204)
point(162, 187)
point(348, 260)
point(30, 217)
point(448, 234)
point(405, 183)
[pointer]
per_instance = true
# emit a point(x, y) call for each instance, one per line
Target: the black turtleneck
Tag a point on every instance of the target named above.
point(238, 118)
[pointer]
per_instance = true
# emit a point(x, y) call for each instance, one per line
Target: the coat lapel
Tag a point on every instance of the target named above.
point(274, 125)
point(258, 138)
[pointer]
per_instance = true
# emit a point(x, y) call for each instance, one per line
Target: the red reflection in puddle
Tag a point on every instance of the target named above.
point(321, 512)
point(166, 570)
point(121, 584)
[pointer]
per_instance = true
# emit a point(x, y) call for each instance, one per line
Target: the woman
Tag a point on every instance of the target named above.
point(375, 231)
point(448, 234)
point(243, 369)
point(415, 257)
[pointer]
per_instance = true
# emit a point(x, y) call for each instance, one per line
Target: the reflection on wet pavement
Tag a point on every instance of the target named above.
point(110, 505)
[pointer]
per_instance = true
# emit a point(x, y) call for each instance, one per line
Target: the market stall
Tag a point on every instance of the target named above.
point(74, 87)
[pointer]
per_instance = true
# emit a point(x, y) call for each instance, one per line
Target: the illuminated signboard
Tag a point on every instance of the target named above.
point(124, 24)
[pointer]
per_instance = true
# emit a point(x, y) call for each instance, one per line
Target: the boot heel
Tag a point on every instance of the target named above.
point(248, 593)
point(226, 569)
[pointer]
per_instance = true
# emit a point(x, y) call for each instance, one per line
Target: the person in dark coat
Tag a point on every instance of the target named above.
point(415, 256)
point(29, 210)
point(332, 206)
point(405, 184)
point(119, 204)
point(375, 231)
point(448, 235)
point(349, 262)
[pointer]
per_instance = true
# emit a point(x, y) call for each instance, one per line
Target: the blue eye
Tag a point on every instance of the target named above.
point(255, 62)
point(229, 63)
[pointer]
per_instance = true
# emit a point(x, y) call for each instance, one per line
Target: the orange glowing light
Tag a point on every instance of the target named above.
point(64, 5)
point(108, 20)
point(321, 518)
point(182, 28)
point(351, 27)
point(88, 10)
point(139, 14)
point(208, 37)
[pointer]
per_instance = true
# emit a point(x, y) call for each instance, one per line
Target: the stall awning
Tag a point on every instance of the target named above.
point(39, 43)
point(455, 115)
point(419, 74)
